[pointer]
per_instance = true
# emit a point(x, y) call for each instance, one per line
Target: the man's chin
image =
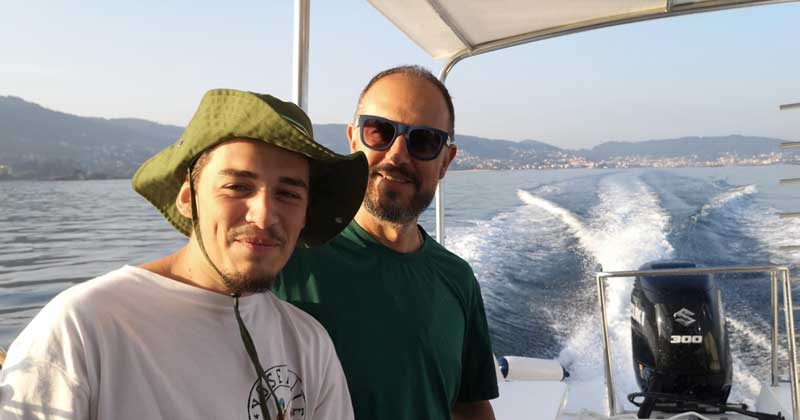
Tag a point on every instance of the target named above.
point(250, 282)
point(396, 207)
point(390, 211)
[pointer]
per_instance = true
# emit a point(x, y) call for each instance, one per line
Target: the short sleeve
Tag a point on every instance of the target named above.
point(44, 375)
point(31, 389)
point(478, 375)
point(334, 399)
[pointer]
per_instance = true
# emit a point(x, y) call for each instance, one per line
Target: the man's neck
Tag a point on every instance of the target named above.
point(179, 267)
point(402, 238)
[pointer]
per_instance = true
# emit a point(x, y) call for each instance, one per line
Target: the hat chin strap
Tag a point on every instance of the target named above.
point(196, 229)
point(246, 338)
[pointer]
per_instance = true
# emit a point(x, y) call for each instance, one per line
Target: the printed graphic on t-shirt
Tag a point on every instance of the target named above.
point(283, 394)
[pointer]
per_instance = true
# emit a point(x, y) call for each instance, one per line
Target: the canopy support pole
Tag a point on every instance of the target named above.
point(302, 11)
point(440, 188)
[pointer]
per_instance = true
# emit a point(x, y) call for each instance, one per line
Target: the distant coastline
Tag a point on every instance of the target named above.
point(468, 170)
point(37, 143)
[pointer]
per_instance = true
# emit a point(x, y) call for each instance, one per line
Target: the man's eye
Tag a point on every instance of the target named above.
point(290, 195)
point(237, 187)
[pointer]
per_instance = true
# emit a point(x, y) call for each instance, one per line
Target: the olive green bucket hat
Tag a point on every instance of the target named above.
point(338, 182)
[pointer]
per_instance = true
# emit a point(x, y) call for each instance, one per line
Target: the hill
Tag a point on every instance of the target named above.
point(37, 142)
point(704, 148)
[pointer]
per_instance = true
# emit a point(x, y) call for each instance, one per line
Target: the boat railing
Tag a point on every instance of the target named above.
point(779, 277)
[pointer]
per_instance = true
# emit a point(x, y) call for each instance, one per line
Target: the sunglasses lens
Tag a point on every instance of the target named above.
point(424, 143)
point(377, 134)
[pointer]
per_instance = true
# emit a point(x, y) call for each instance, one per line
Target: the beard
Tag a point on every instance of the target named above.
point(238, 283)
point(387, 205)
point(256, 281)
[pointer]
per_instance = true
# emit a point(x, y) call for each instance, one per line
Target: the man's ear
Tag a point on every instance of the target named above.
point(449, 155)
point(184, 200)
point(351, 137)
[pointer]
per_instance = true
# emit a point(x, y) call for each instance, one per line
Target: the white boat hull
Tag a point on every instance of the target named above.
point(546, 400)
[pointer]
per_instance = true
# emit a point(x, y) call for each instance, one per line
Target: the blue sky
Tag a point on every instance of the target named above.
point(710, 74)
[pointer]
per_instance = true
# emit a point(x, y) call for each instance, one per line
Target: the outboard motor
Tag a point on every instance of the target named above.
point(680, 344)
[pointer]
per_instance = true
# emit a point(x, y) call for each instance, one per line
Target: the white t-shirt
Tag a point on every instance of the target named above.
point(135, 345)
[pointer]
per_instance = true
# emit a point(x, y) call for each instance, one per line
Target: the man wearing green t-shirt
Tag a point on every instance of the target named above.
point(406, 316)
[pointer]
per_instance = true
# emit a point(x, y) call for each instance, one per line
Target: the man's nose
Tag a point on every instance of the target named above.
point(399, 150)
point(261, 210)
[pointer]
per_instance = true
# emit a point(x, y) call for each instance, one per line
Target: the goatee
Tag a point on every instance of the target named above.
point(386, 206)
point(240, 284)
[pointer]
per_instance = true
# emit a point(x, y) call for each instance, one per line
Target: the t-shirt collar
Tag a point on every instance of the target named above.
point(355, 232)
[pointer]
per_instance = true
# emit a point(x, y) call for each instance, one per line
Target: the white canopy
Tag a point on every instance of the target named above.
point(454, 29)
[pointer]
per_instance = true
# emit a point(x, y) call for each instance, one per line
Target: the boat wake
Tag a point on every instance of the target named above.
point(773, 233)
point(535, 263)
point(747, 229)
point(565, 215)
point(626, 229)
point(518, 257)
point(726, 198)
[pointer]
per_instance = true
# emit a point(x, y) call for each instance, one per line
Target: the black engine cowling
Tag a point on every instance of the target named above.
point(680, 343)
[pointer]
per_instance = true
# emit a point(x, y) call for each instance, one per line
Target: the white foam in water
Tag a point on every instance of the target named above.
point(727, 197)
point(763, 223)
point(758, 221)
point(489, 245)
point(753, 335)
point(745, 385)
point(565, 215)
point(625, 230)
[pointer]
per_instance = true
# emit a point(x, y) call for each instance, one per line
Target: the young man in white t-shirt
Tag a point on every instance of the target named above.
point(171, 339)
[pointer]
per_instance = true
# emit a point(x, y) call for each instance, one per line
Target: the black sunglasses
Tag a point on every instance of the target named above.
point(423, 143)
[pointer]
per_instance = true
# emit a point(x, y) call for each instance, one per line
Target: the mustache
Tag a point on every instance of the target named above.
point(272, 233)
point(402, 170)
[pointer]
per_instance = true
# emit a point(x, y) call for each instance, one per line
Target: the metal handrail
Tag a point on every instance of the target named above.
point(777, 273)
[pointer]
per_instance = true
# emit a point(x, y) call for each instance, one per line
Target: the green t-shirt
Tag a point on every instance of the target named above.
point(409, 329)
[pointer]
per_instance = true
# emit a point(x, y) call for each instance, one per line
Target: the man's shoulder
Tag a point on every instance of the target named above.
point(68, 318)
point(444, 257)
point(454, 271)
point(93, 291)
